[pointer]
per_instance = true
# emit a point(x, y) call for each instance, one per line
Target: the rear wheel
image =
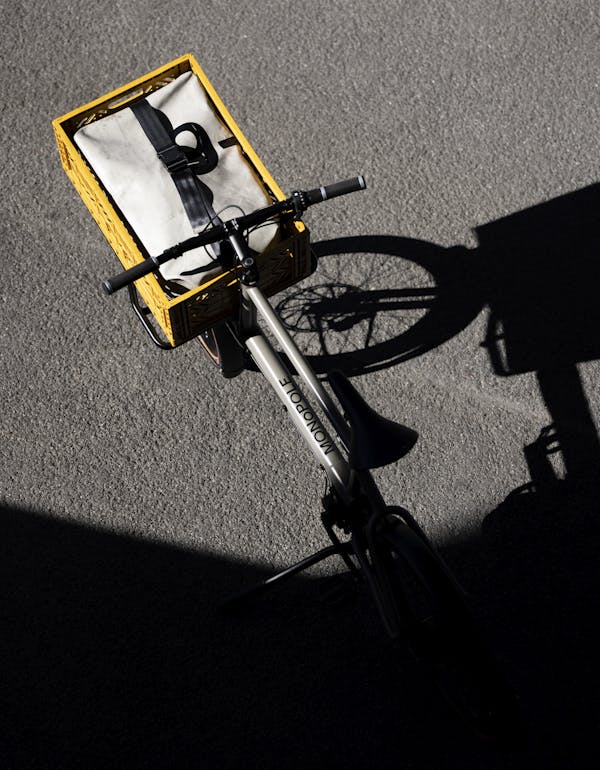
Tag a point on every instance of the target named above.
point(441, 633)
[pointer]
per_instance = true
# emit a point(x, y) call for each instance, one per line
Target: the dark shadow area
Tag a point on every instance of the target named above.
point(543, 276)
point(535, 565)
point(542, 269)
point(114, 656)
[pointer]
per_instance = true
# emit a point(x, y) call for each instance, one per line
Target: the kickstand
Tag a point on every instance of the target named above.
point(338, 549)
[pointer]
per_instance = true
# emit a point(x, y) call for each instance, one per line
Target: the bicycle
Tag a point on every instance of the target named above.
point(416, 596)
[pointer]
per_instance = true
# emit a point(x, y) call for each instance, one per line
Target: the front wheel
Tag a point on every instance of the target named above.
point(433, 618)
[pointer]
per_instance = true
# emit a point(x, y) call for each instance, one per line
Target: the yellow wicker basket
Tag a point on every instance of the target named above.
point(282, 264)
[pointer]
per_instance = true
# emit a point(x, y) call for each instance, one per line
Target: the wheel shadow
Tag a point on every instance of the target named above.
point(367, 308)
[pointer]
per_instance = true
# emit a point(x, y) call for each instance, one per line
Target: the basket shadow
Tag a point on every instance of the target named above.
point(542, 277)
point(543, 274)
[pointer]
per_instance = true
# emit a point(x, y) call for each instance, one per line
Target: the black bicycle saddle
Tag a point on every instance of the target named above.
point(375, 441)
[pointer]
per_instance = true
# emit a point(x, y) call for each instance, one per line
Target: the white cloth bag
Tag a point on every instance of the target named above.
point(126, 163)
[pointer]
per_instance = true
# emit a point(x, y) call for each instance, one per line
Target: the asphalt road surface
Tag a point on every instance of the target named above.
point(139, 488)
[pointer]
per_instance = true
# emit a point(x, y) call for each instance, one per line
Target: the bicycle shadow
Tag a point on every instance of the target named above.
point(536, 271)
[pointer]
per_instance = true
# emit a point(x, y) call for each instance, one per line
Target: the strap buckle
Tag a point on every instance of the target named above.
point(173, 158)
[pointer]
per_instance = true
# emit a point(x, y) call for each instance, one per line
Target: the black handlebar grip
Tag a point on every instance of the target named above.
point(129, 276)
point(320, 194)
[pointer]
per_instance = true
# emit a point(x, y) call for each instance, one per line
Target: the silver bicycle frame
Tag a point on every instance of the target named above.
point(324, 447)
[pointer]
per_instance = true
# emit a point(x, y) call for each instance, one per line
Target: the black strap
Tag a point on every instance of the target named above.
point(183, 163)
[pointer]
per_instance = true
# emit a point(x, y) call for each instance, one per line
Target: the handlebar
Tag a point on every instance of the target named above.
point(298, 202)
point(320, 194)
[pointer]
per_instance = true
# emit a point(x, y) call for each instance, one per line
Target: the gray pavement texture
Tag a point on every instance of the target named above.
point(139, 488)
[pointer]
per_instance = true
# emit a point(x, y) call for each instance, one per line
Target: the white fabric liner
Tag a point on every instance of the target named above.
point(126, 163)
